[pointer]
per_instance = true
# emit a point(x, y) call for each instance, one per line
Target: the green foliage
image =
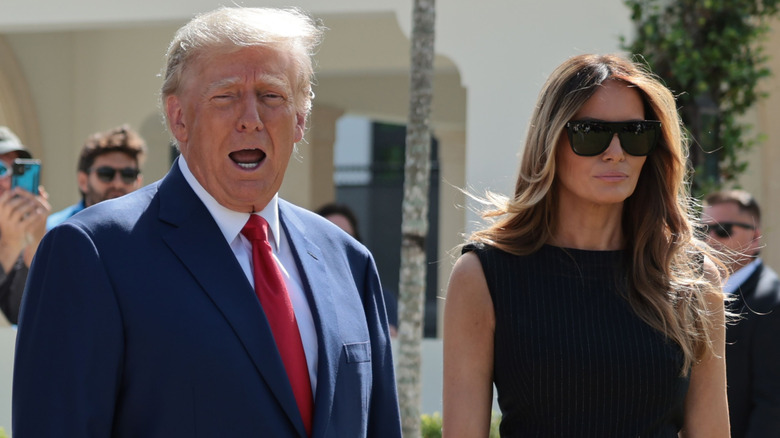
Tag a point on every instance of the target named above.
point(431, 425)
point(495, 421)
point(709, 53)
point(2, 433)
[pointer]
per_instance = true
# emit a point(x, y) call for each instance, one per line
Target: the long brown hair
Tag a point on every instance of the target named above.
point(666, 276)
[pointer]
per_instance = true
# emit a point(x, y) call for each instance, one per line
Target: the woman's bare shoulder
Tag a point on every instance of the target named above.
point(468, 289)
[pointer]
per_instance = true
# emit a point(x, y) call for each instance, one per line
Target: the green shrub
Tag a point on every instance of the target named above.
point(495, 421)
point(711, 55)
point(431, 425)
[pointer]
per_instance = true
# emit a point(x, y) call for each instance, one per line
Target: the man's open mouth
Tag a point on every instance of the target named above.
point(248, 158)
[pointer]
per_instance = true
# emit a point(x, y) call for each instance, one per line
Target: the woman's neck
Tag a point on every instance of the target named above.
point(592, 227)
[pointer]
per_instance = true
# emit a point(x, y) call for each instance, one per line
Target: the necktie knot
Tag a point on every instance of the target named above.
point(256, 229)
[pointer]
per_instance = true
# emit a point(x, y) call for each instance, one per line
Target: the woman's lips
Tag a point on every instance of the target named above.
point(612, 176)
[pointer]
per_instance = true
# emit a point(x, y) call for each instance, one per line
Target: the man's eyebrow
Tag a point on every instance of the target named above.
point(275, 81)
point(223, 83)
point(269, 79)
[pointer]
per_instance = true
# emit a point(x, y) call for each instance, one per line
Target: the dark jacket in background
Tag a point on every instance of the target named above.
point(11, 288)
point(753, 357)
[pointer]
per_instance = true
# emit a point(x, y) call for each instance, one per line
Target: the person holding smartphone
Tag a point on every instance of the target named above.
point(109, 167)
point(22, 226)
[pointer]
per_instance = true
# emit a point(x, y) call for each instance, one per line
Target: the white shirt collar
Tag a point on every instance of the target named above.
point(736, 279)
point(231, 222)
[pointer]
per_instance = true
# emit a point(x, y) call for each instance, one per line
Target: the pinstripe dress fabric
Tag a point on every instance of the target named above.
point(571, 358)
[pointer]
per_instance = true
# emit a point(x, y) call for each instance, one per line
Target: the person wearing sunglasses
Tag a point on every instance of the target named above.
point(22, 226)
point(732, 223)
point(583, 300)
point(108, 167)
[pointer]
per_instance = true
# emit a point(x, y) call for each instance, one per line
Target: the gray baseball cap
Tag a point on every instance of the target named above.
point(9, 142)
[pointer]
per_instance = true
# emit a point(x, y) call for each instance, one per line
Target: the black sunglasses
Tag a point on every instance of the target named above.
point(3, 170)
point(589, 137)
point(724, 229)
point(107, 173)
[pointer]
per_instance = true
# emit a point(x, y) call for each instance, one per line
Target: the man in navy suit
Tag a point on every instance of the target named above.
point(733, 220)
point(140, 318)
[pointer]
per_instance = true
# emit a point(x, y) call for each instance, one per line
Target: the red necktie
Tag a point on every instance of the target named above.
point(273, 296)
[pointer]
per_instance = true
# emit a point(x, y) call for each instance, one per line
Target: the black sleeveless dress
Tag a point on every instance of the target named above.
point(571, 358)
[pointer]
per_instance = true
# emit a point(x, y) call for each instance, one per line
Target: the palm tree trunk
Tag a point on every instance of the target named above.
point(415, 216)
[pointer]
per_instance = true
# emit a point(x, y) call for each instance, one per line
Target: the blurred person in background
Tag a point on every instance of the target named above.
point(22, 226)
point(732, 221)
point(109, 167)
point(343, 217)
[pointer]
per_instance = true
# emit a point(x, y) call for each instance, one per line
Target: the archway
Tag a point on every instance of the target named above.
point(16, 105)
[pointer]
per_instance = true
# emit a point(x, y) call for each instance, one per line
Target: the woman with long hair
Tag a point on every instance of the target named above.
point(588, 301)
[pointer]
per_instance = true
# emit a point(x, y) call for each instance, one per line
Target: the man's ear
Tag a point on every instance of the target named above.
point(81, 178)
point(175, 115)
point(300, 126)
point(754, 247)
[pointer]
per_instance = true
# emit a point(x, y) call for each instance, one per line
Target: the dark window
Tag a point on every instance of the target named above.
point(377, 205)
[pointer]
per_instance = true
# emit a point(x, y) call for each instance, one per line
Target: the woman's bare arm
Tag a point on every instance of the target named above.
point(706, 405)
point(469, 325)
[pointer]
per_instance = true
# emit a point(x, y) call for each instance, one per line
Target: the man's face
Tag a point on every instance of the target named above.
point(5, 179)
point(235, 120)
point(733, 231)
point(99, 185)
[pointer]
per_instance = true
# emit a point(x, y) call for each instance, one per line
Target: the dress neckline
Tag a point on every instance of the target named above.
point(584, 251)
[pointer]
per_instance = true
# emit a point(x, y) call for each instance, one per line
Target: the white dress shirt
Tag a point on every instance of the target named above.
point(231, 223)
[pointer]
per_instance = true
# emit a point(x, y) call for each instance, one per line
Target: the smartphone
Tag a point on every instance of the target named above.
point(26, 173)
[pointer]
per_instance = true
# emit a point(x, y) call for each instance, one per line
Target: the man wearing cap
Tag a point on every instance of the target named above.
point(108, 168)
point(22, 226)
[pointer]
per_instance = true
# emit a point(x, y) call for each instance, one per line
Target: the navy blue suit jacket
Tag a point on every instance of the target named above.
point(753, 357)
point(138, 321)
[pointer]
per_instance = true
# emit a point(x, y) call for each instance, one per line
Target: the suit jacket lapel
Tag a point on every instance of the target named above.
point(742, 305)
point(747, 289)
point(196, 240)
point(309, 259)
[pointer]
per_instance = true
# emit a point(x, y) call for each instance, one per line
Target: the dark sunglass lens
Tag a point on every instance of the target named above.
point(3, 170)
point(129, 175)
point(639, 138)
point(722, 230)
point(106, 174)
point(589, 138)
